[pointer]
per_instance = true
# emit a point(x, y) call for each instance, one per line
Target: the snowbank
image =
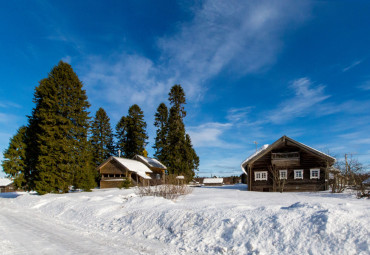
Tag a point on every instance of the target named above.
point(224, 220)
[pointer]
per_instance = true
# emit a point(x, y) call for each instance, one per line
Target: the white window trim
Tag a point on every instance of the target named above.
point(258, 176)
point(295, 174)
point(286, 174)
point(318, 173)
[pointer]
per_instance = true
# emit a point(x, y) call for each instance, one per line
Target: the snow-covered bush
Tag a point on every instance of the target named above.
point(168, 191)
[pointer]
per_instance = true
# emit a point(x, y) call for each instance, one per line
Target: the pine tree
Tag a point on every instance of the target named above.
point(59, 123)
point(14, 159)
point(161, 123)
point(182, 158)
point(135, 139)
point(101, 137)
point(121, 129)
point(191, 156)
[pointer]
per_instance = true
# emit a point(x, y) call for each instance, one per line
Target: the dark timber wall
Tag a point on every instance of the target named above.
point(307, 161)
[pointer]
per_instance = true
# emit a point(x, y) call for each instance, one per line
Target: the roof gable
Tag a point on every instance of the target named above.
point(130, 164)
point(150, 162)
point(267, 148)
point(5, 181)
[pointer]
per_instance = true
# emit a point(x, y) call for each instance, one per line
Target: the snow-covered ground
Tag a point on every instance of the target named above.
point(211, 220)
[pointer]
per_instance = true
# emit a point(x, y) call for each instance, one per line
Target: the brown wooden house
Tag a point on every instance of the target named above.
point(6, 185)
point(287, 165)
point(115, 170)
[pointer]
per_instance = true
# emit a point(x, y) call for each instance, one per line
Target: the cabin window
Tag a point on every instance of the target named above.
point(298, 174)
point(283, 174)
point(260, 176)
point(314, 173)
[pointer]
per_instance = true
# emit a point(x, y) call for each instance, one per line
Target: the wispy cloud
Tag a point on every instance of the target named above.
point(7, 104)
point(211, 134)
point(352, 65)
point(67, 59)
point(365, 85)
point(306, 97)
point(238, 114)
point(125, 80)
point(243, 37)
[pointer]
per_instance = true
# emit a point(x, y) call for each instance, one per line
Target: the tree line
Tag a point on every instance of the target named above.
point(61, 146)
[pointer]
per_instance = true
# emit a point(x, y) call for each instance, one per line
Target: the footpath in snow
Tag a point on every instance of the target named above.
point(211, 220)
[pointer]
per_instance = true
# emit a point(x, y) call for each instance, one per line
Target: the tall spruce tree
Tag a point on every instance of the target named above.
point(101, 137)
point(15, 159)
point(182, 158)
point(161, 123)
point(59, 124)
point(121, 129)
point(135, 139)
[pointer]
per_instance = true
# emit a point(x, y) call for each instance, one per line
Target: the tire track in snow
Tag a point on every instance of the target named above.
point(25, 233)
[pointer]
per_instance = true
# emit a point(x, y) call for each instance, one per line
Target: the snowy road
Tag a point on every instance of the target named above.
point(28, 233)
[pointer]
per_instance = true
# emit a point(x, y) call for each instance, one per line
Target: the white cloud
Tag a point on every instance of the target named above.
point(7, 104)
point(67, 59)
point(352, 65)
point(306, 98)
point(238, 114)
point(125, 80)
point(242, 36)
point(210, 135)
point(365, 85)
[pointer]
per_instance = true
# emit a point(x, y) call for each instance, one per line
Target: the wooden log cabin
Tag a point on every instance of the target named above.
point(115, 170)
point(6, 185)
point(287, 165)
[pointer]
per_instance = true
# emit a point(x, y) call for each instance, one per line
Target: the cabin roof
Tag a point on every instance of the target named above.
point(5, 181)
point(213, 180)
point(132, 165)
point(151, 162)
point(266, 148)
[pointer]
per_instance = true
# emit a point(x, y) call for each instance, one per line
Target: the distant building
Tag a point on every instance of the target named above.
point(6, 185)
point(289, 165)
point(213, 181)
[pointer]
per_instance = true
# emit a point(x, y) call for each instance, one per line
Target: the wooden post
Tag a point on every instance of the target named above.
point(250, 178)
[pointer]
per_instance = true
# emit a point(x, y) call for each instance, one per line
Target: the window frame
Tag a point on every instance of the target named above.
point(260, 177)
point(314, 170)
point(298, 177)
point(286, 174)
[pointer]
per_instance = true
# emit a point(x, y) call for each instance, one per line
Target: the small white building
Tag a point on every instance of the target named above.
point(213, 181)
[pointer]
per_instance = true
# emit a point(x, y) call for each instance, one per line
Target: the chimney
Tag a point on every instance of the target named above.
point(119, 153)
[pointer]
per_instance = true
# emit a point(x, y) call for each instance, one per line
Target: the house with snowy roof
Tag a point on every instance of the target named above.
point(6, 185)
point(115, 170)
point(139, 170)
point(287, 165)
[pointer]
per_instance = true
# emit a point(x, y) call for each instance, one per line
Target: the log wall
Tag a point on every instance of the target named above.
point(307, 161)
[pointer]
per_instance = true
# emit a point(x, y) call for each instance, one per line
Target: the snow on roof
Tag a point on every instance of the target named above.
point(213, 180)
point(135, 166)
point(5, 181)
point(263, 148)
point(320, 152)
point(152, 162)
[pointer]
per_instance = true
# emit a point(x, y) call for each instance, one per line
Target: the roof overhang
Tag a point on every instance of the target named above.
point(283, 139)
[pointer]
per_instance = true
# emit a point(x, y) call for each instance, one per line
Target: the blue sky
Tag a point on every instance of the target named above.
point(251, 70)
